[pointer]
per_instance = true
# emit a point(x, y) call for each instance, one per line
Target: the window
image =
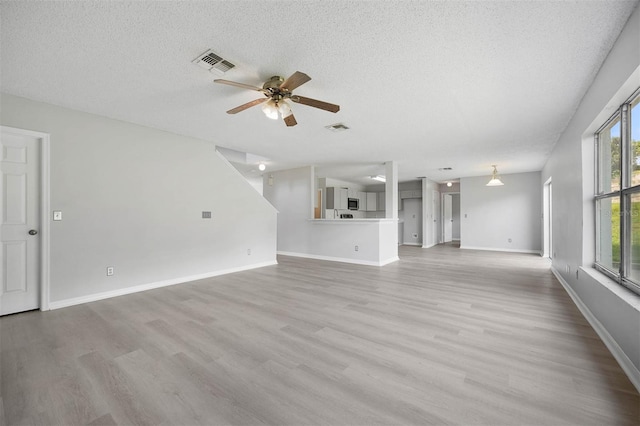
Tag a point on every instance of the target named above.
point(617, 199)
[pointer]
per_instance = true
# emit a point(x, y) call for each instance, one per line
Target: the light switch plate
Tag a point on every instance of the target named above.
point(57, 215)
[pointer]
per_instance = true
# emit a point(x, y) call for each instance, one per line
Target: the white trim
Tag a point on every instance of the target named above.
point(150, 286)
point(340, 259)
point(45, 209)
point(411, 244)
point(625, 363)
point(429, 246)
point(547, 228)
point(501, 249)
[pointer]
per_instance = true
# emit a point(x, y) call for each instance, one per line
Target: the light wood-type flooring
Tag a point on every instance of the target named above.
point(444, 336)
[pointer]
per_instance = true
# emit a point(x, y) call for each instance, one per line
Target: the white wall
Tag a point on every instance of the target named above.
point(430, 213)
point(290, 193)
point(132, 197)
point(411, 215)
point(443, 188)
point(491, 216)
point(615, 309)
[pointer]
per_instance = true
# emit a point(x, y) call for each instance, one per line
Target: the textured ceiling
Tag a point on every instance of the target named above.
point(428, 84)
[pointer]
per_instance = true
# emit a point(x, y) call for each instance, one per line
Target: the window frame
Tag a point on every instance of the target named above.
point(623, 194)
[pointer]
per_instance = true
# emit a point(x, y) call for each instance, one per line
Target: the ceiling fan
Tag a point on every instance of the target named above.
point(277, 92)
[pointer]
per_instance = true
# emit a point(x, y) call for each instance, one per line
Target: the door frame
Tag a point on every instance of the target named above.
point(442, 197)
point(436, 212)
point(45, 208)
point(547, 219)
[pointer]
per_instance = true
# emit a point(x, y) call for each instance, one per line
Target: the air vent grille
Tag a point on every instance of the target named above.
point(212, 61)
point(338, 127)
point(224, 66)
point(211, 58)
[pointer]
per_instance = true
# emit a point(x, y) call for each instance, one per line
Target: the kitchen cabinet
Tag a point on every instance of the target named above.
point(414, 193)
point(337, 198)
point(381, 206)
point(372, 202)
point(362, 200)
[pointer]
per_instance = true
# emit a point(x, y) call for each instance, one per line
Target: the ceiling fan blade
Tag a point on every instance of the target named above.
point(290, 120)
point(315, 103)
point(247, 105)
point(296, 79)
point(240, 85)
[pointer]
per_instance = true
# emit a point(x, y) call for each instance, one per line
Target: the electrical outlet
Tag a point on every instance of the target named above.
point(109, 271)
point(57, 215)
point(509, 239)
point(357, 248)
point(248, 252)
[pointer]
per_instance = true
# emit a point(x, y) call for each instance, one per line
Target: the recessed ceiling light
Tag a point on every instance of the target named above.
point(338, 127)
point(449, 184)
point(379, 178)
point(261, 167)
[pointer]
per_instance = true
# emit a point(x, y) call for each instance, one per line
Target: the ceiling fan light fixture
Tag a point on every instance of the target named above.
point(284, 109)
point(270, 109)
point(276, 90)
point(495, 179)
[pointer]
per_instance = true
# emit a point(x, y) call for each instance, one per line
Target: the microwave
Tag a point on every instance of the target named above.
point(353, 203)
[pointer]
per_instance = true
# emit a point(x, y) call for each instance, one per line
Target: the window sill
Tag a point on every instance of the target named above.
point(619, 290)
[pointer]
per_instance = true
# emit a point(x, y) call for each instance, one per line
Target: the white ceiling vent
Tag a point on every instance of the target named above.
point(213, 62)
point(338, 127)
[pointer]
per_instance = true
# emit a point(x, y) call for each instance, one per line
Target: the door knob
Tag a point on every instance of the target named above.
point(33, 232)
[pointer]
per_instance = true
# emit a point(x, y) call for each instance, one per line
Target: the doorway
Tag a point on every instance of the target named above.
point(450, 217)
point(411, 217)
point(547, 222)
point(24, 224)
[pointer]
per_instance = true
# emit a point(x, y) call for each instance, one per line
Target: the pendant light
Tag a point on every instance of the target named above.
point(495, 179)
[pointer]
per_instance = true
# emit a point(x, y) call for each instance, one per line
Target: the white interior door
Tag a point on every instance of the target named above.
point(448, 218)
point(19, 221)
point(435, 215)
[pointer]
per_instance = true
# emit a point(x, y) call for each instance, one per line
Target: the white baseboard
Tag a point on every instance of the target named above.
point(501, 249)
point(625, 363)
point(430, 245)
point(150, 286)
point(340, 259)
point(412, 244)
point(390, 260)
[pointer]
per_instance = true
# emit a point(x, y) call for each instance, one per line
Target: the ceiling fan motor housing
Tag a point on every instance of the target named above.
point(273, 83)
